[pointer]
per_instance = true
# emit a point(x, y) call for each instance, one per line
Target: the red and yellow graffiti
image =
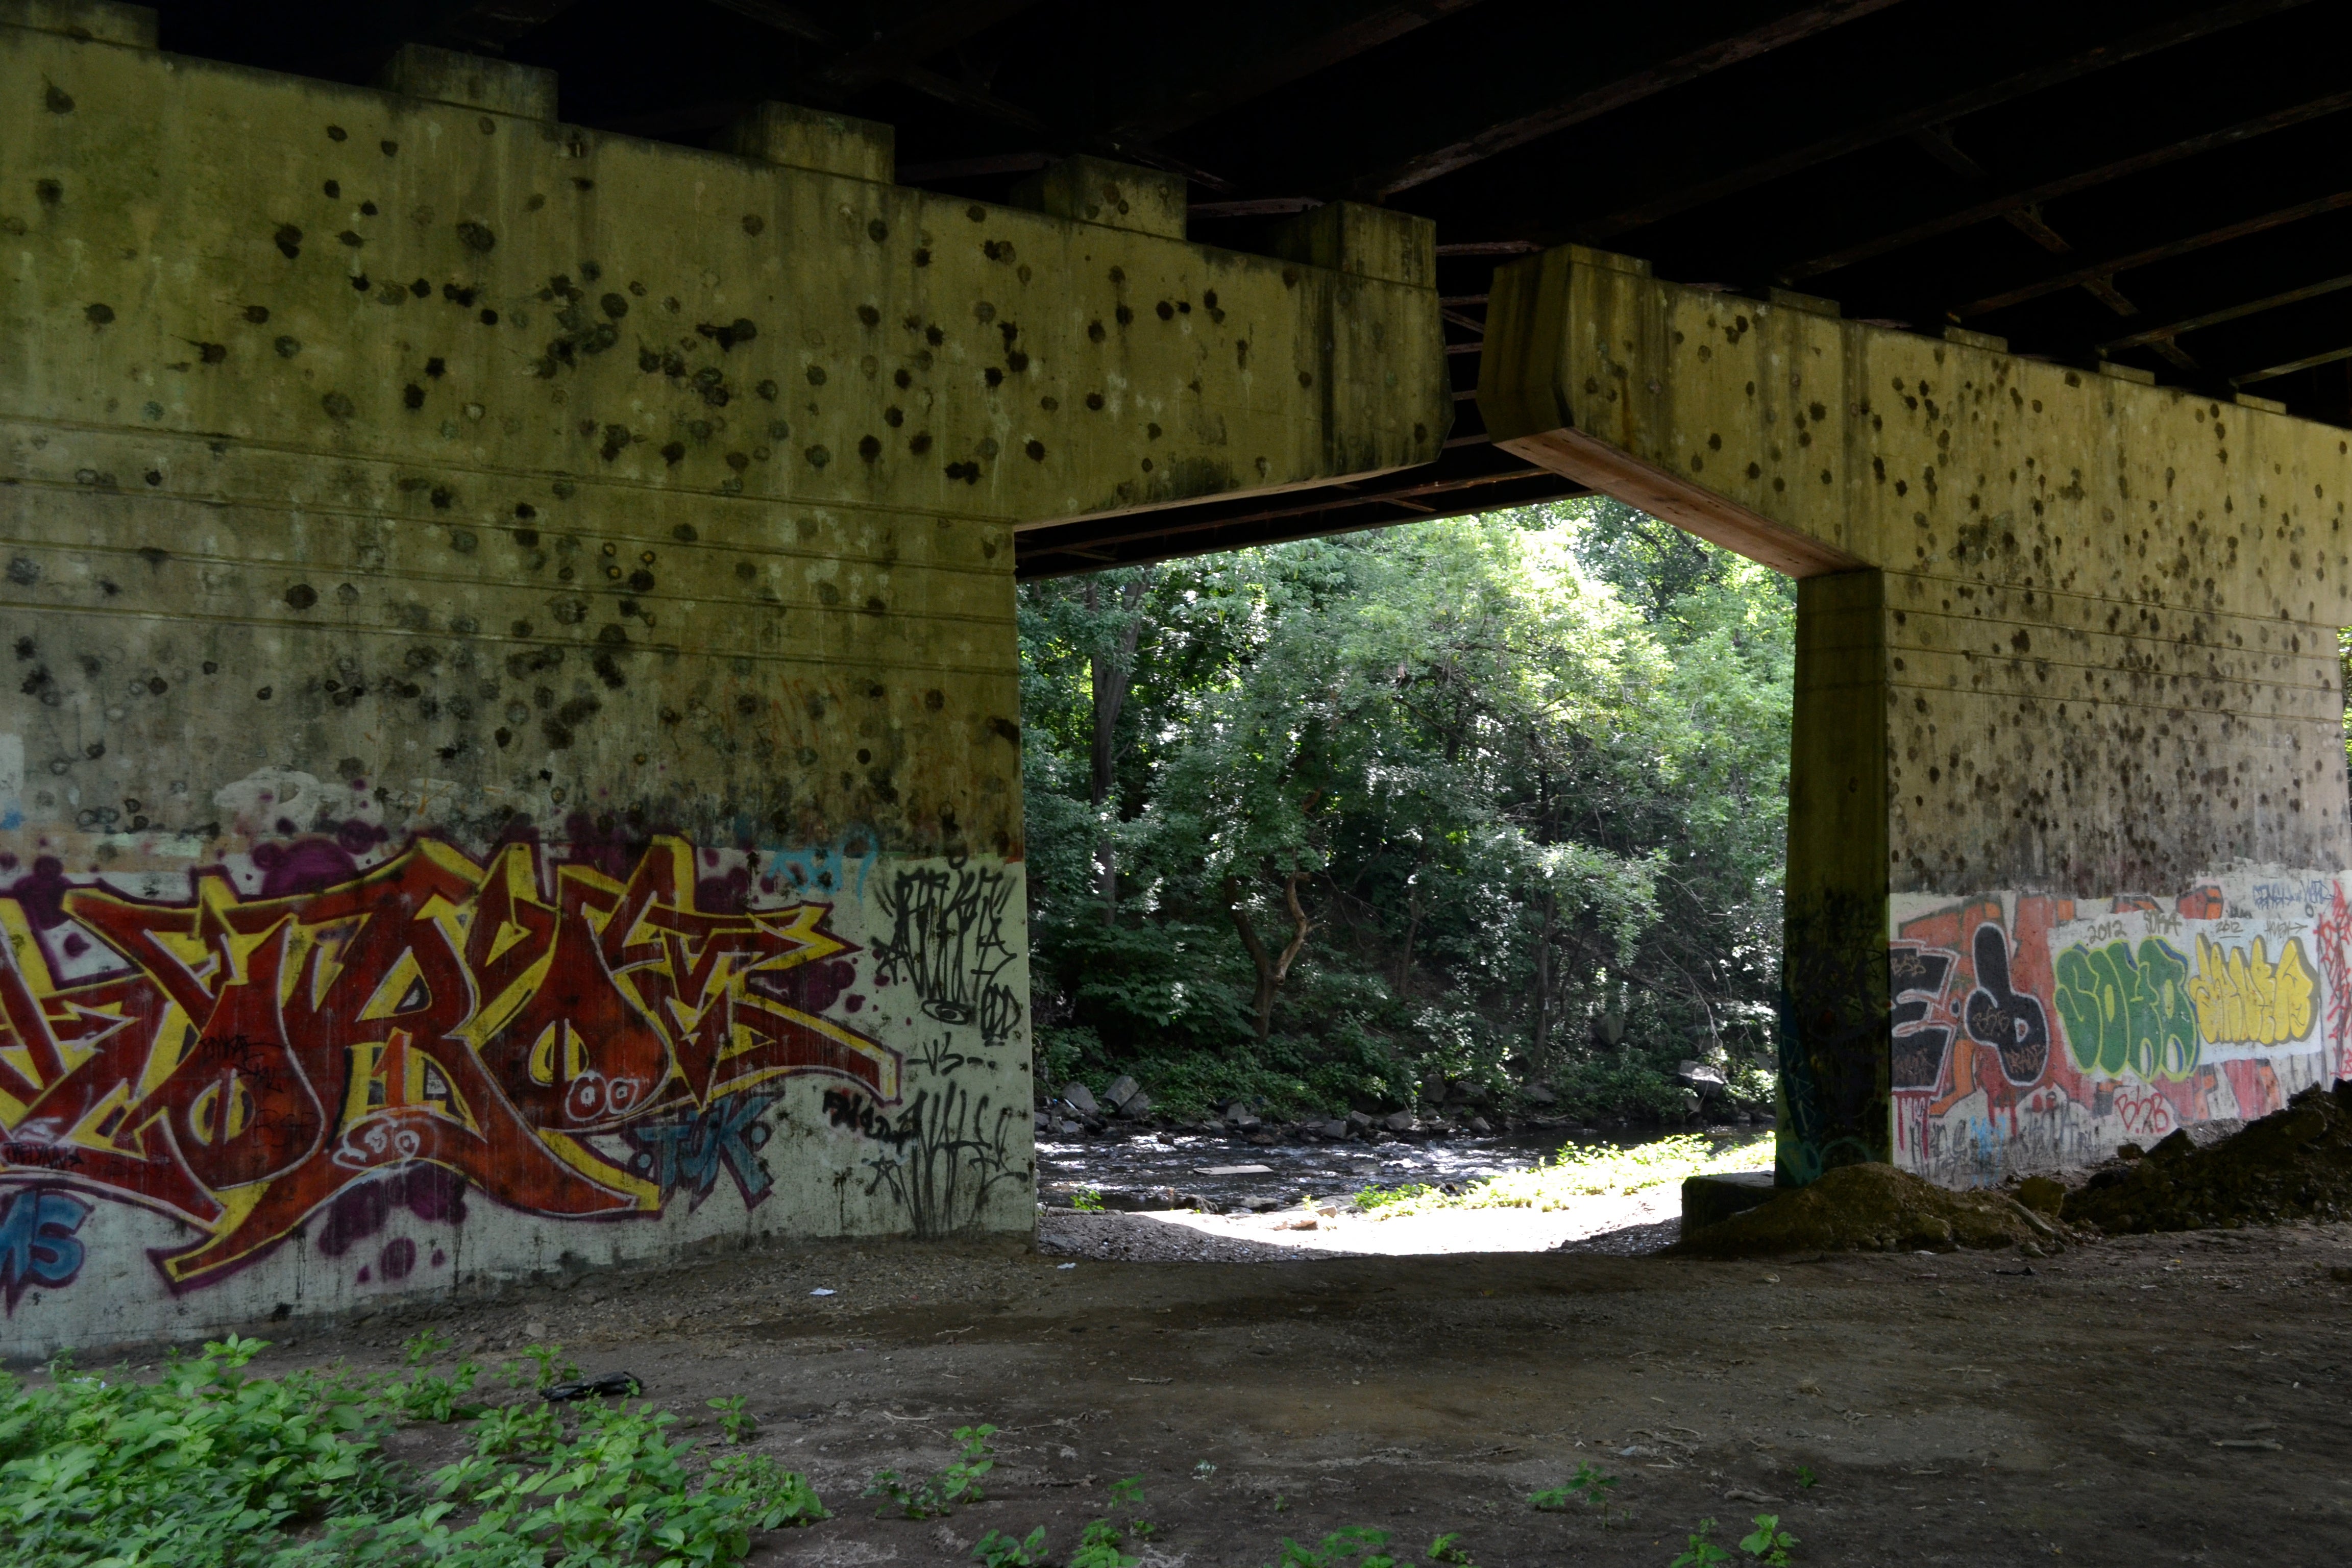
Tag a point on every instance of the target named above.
point(257, 1056)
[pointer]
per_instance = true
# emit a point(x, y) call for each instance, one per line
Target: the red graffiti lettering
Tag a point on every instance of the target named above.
point(255, 1058)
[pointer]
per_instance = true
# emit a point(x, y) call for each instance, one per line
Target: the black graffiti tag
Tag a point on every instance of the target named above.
point(2012, 1023)
point(1917, 976)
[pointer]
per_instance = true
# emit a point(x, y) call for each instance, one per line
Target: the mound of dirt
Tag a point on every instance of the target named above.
point(1870, 1208)
point(2295, 1163)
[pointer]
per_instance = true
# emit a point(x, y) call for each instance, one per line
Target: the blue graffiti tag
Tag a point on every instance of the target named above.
point(688, 1152)
point(37, 1245)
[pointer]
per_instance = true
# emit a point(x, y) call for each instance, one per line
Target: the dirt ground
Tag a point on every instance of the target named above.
point(2155, 1399)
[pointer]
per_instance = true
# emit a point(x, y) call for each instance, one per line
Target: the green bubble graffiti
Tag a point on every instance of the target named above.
point(2124, 1014)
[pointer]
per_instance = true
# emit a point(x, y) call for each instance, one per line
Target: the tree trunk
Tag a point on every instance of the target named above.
point(1271, 971)
point(1543, 977)
point(1111, 677)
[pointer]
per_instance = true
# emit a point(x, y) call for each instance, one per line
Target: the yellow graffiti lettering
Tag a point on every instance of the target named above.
point(2243, 998)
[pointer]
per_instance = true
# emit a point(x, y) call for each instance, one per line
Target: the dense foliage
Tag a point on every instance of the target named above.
point(208, 1467)
point(1494, 801)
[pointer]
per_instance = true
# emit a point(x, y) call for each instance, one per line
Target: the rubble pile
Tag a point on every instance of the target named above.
point(2295, 1163)
point(1872, 1208)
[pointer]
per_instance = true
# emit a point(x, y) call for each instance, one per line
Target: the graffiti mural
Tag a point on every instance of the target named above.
point(568, 1042)
point(2034, 1032)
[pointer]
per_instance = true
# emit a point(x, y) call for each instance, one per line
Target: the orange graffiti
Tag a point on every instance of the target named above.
point(257, 1056)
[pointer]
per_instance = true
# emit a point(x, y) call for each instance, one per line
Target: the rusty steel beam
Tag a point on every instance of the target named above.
point(1593, 101)
point(2151, 255)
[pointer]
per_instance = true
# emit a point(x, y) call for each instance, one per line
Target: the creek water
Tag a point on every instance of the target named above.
point(1187, 1170)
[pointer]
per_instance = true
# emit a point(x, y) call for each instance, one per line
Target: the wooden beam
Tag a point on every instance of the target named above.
point(2274, 372)
point(2150, 255)
point(1673, 196)
point(2028, 197)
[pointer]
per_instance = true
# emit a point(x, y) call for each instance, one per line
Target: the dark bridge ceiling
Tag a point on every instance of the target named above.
point(2165, 182)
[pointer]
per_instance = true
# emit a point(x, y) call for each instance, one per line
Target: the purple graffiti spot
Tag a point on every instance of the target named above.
point(310, 865)
point(397, 1259)
point(439, 1257)
point(767, 884)
point(603, 842)
point(75, 944)
point(428, 1192)
point(710, 856)
point(811, 988)
point(42, 893)
point(852, 1003)
point(366, 1275)
point(285, 825)
point(728, 895)
point(8, 861)
point(434, 1193)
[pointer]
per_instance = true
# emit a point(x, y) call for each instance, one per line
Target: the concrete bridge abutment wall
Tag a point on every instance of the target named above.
point(2067, 843)
point(511, 753)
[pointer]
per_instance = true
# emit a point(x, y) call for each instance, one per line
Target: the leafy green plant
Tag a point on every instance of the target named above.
point(542, 1367)
point(1358, 1546)
point(1703, 1553)
point(209, 1467)
point(932, 1496)
point(1099, 1547)
point(1768, 1543)
point(998, 1550)
point(1806, 1479)
point(1588, 1486)
point(1086, 1200)
point(1448, 1548)
point(204, 1466)
point(526, 1428)
point(733, 1420)
point(423, 1348)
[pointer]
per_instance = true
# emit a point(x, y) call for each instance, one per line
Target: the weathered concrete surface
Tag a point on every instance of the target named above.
point(2067, 814)
point(512, 717)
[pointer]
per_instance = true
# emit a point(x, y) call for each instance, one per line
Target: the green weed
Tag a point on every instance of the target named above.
point(1768, 1543)
point(1806, 1479)
point(1098, 1547)
point(1447, 1547)
point(1358, 1546)
point(936, 1495)
point(1703, 1553)
point(1086, 1200)
point(998, 1550)
point(1588, 1486)
point(209, 1467)
point(732, 1420)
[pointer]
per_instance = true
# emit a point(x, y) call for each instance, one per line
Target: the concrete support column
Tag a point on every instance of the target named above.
point(2067, 837)
point(1832, 1096)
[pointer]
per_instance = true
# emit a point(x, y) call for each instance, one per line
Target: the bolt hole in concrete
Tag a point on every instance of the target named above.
point(1171, 1196)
